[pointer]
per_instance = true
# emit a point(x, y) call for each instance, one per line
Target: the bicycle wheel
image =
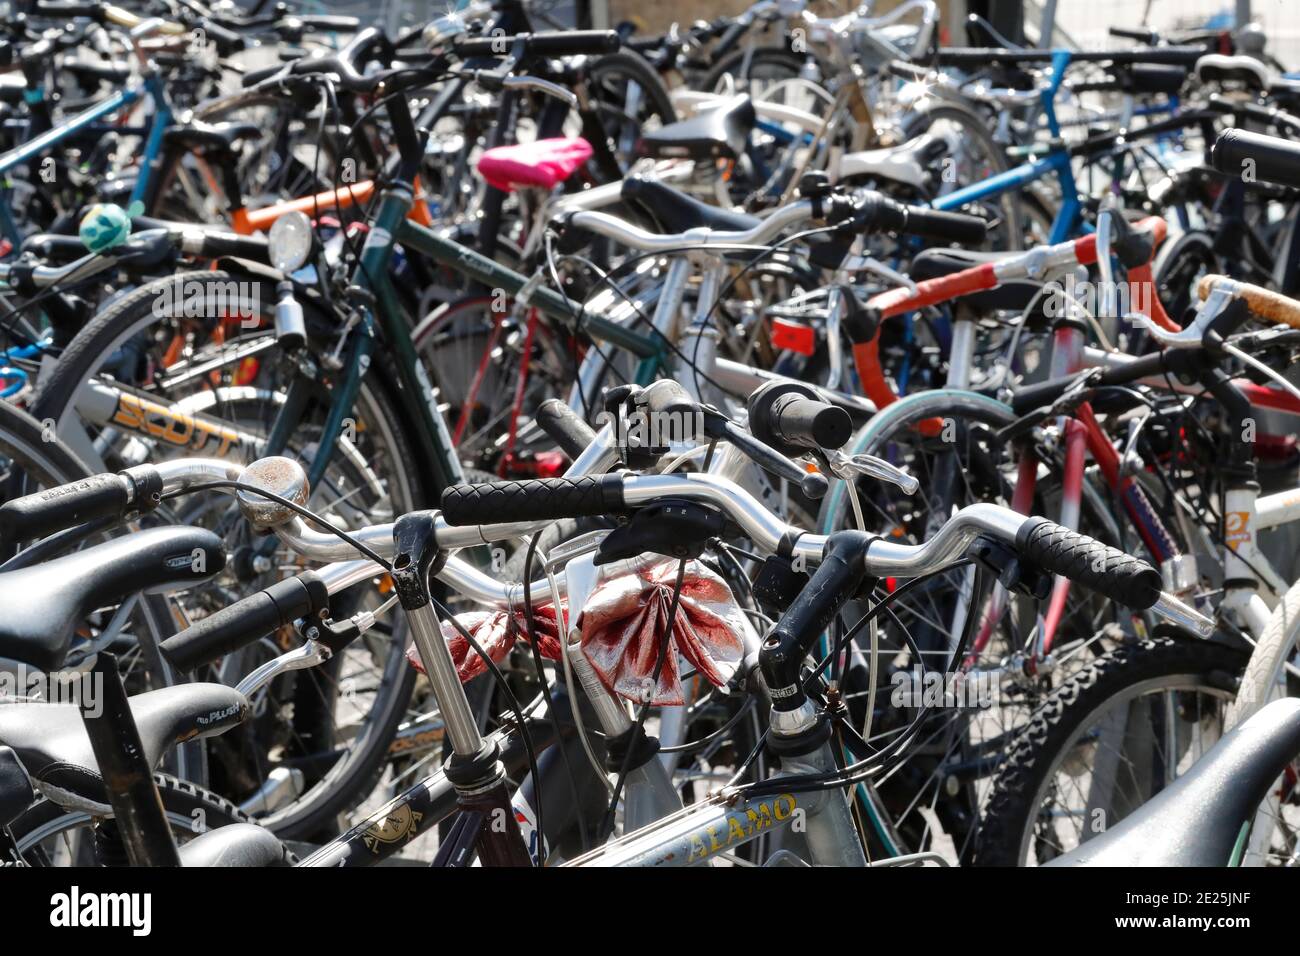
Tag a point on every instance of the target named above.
point(48, 835)
point(1004, 676)
point(492, 370)
point(1103, 744)
point(186, 342)
point(972, 156)
point(752, 70)
point(1271, 673)
point(629, 98)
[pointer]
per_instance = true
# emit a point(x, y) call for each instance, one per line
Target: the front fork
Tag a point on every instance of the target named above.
point(487, 821)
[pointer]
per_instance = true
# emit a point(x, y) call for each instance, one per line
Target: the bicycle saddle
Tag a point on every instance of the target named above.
point(243, 845)
point(205, 137)
point(1239, 69)
point(16, 792)
point(51, 740)
point(1197, 820)
point(41, 606)
point(544, 163)
point(719, 133)
point(673, 211)
point(906, 163)
point(933, 263)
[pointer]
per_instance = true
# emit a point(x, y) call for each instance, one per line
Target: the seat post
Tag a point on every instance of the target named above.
point(124, 766)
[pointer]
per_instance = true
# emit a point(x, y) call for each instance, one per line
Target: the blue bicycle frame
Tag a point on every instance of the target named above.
point(1069, 218)
point(151, 86)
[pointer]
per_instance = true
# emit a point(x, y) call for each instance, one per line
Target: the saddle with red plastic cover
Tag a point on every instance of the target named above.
point(543, 164)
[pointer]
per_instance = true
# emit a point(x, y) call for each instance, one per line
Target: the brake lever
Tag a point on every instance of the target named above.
point(541, 86)
point(1193, 336)
point(850, 467)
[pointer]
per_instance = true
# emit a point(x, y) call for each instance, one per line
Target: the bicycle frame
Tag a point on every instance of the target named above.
point(151, 86)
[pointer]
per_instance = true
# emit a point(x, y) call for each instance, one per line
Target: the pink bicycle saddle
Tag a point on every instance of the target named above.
point(543, 163)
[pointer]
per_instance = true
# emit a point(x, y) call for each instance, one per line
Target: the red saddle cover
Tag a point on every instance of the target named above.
point(544, 163)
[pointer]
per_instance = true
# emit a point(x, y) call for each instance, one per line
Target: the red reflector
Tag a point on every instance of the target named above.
point(247, 371)
point(551, 464)
point(1275, 447)
point(793, 336)
point(890, 584)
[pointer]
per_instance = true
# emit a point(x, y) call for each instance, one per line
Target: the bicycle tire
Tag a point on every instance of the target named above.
point(190, 809)
point(55, 397)
point(1044, 743)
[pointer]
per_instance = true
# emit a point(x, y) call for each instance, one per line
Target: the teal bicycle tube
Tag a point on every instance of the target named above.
point(551, 303)
point(372, 277)
point(344, 396)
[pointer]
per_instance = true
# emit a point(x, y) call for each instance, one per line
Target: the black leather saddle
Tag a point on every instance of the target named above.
point(41, 606)
point(717, 133)
point(206, 138)
point(1197, 820)
point(16, 792)
point(672, 211)
point(51, 740)
point(933, 263)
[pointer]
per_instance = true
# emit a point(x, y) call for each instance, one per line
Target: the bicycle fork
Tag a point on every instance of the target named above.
point(487, 821)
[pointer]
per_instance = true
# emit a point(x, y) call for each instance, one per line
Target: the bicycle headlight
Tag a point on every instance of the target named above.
point(289, 241)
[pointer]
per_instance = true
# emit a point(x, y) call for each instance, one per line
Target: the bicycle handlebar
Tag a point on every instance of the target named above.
point(1238, 153)
point(1264, 303)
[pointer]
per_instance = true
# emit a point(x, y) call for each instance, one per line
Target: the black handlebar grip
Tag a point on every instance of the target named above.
point(1109, 572)
point(809, 423)
point(255, 248)
point(566, 426)
point(575, 42)
point(44, 512)
point(1273, 159)
point(61, 9)
point(561, 43)
point(1149, 37)
point(836, 580)
point(253, 77)
point(244, 622)
point(943, 226)
point(537, 499)
point(226, 41)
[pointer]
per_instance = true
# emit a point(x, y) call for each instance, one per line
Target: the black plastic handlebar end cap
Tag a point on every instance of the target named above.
point(565, 426)
point(814, 485)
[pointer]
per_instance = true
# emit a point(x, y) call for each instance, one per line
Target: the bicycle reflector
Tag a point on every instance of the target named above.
point(793, 336)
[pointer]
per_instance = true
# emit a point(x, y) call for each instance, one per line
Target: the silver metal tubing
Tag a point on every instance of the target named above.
point(184, 472)
point(635, 237)
point(948, 544)
point(612, 193)
point(462, 729)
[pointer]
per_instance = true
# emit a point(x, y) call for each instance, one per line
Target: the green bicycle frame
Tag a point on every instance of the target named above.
point(380, 307)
